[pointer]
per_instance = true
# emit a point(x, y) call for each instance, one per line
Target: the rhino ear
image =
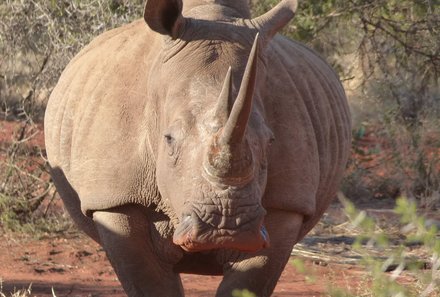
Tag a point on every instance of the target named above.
point(164, 16)
point(275, 19)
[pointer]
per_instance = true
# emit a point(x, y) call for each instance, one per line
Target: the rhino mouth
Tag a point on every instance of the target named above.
point(212, 231)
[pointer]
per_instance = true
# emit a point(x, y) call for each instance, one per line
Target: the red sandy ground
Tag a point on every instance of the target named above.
point(78, 267)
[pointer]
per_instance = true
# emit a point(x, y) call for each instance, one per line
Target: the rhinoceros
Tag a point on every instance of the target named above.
point(198, 140)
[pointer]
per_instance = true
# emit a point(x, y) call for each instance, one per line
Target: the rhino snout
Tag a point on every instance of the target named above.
point(195, 233)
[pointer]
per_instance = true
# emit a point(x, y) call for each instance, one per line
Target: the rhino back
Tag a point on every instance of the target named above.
point(94, 124)
point(308, 112)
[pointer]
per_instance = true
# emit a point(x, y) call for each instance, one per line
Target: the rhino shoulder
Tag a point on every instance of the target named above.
point(94, 125)
point(112, 39)
point(308, 112)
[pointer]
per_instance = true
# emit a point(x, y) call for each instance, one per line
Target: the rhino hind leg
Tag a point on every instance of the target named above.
point(124, 235)
point(259, 272)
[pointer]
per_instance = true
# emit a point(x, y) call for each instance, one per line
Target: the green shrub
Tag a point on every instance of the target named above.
point(243, 293)
point(385, 271)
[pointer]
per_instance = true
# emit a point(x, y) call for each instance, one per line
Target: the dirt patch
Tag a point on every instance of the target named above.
point(77, 266)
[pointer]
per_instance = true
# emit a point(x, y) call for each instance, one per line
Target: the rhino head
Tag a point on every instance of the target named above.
point(212, 142)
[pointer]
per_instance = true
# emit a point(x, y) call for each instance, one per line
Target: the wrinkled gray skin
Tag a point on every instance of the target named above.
point(187, 142)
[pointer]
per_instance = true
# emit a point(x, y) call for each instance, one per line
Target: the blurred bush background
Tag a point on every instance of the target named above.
point(37, 40)
point(387, 54)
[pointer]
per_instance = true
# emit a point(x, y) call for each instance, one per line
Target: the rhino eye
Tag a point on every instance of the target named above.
point(271, 140)
point(171, 144)
point(169, 139)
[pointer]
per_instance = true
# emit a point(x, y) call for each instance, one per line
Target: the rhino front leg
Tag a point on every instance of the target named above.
point(259, 272)
point(125, 237)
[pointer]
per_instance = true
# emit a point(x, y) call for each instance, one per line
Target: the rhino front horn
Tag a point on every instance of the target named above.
point(224, 101)
point(235, 127)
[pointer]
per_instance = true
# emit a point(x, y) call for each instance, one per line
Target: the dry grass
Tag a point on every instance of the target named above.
point(37, 39)
point(20, 293)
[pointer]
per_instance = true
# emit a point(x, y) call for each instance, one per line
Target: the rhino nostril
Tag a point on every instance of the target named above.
point(264, 233)
point(265, 236)
point(184, 225)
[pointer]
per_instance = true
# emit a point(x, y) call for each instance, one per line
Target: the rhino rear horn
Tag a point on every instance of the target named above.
point(235, 127)
point(164, 16)
point(275, 19)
